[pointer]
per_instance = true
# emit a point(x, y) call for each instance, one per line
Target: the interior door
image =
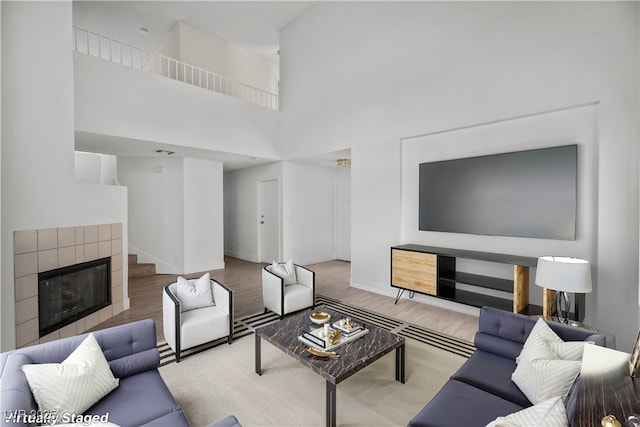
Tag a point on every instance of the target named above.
point(269, 221)
point(343, 219)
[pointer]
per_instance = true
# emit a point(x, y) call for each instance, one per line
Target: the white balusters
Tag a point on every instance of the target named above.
point(104, 47)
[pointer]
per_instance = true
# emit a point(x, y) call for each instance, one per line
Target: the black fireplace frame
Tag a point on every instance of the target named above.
point(81, 314)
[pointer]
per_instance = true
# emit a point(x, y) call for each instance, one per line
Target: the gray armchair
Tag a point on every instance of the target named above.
point(191, 328)
point(284, 298)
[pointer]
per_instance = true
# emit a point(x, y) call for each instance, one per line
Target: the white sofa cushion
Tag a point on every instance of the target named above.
point(203, 325)
point(74, 385)
point(297, 297)
point(194, 293)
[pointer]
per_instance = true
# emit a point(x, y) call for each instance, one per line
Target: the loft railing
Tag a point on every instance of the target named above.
point(104, 47)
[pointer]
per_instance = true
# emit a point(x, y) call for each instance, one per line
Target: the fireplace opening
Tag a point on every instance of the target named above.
point(70, 293)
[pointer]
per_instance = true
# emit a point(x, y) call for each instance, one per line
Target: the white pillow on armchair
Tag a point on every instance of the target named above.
point(194, 293)
point(286, 271)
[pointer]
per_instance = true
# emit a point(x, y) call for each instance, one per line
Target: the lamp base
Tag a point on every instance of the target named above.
point(558, 306)
point(562, 307)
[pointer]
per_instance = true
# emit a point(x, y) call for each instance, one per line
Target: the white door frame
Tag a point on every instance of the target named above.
point(259, 210)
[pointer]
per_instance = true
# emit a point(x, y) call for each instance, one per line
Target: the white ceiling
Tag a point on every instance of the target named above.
point(253, 25)
point(128, 147)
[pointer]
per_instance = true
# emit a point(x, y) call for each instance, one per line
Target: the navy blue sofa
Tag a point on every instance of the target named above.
point(482, 390)
point(141, 399)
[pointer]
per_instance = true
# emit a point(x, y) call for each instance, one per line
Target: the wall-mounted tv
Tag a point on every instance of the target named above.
point(528, 193)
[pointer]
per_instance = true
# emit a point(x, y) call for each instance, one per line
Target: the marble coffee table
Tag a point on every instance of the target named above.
point(354, 355)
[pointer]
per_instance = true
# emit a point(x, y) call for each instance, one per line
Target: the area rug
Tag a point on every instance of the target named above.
point(246, 325)
point(222, 380)
point(212, 382)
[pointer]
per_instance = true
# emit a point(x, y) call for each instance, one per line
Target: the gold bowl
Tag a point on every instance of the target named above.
point(319, 317)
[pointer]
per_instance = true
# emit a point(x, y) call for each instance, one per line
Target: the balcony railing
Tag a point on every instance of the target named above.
point(104, 47)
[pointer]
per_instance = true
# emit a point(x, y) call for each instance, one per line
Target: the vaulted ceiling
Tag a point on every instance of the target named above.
point(252, 25)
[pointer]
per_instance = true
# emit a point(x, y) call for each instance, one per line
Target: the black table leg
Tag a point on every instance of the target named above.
point(331, 404)
point(400, 364)
point(258, 356)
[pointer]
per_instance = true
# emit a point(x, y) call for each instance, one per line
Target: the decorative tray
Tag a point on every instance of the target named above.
point(315, 338)
point(347, 328)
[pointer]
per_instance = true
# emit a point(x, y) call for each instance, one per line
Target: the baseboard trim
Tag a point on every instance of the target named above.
point(423, 299)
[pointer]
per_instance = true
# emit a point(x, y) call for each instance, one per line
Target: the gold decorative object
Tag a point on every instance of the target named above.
point(335, 336)
point(320, 317)
point(322, 353)
point(347, 323)
point(610, 421)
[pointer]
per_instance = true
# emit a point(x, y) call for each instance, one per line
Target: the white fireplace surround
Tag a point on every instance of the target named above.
point(41, 250)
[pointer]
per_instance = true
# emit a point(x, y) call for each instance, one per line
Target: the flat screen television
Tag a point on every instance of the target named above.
point(528, 193)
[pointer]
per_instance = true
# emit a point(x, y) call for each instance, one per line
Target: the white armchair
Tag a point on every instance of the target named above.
point(186, 328)
point(284, 298)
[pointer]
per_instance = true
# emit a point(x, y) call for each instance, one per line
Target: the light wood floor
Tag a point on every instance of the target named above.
point(332, 280)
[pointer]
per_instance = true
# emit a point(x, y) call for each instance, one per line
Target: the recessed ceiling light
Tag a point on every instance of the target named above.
point(144, 30)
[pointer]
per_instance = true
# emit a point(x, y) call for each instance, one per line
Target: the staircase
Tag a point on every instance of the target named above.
point(140, 269)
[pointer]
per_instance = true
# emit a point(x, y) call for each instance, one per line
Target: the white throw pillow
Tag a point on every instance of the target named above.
point(537, 344)
point(542, 379)
point(547, 366)
point(550, 413)
point(285, 270)
point(543, 343)
point(73, 386)
point(194, 293)
point(568, 350)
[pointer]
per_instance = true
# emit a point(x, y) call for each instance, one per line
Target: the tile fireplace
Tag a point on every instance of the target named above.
point(82, 300)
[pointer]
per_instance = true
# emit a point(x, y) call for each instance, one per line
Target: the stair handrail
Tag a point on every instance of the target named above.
point(107, 48)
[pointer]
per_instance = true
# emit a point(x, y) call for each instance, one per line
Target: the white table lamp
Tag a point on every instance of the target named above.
point(563, 274)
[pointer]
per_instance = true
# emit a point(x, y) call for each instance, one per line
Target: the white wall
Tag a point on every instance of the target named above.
point(88, 167)
point(307, 211)
point(175, 212)
point(95, 168)
point(375, 213)
point(1, 223)
point(112, 99)
point(308, 219)
point(196, 47)
point(156, 210)
point(203, 215)
point(222, 57)
point(387, 71)
point(170, 47)
point(38, 185)
point(241, 209)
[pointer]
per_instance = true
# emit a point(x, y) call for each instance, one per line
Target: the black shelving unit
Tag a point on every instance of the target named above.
point(447, 278)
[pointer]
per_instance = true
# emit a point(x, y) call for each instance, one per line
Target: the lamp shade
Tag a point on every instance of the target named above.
point(564, 274)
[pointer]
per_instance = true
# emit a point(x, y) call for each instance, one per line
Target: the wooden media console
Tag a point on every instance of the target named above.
point(432, 271)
